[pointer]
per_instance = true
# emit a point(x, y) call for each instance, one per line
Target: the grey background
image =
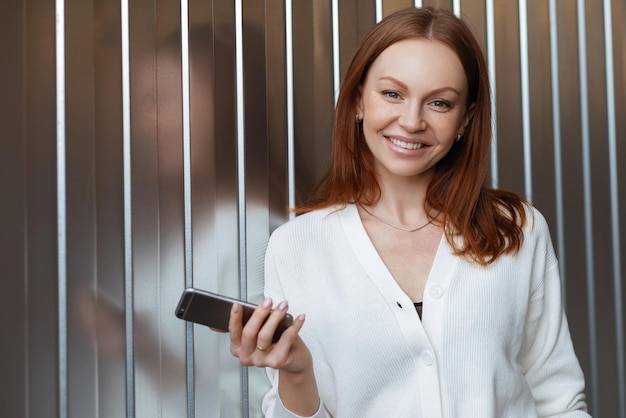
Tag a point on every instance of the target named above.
point(142, 152)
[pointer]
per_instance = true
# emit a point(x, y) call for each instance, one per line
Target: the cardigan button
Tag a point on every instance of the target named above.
point(436, 292)
point(428, 358)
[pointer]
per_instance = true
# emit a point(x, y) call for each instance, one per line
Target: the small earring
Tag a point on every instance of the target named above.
point(458, 138)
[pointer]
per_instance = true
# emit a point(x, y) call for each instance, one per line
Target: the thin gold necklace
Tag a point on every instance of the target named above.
point(397, 226)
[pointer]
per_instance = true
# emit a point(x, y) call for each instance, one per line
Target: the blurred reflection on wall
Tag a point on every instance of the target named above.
point(558, 140)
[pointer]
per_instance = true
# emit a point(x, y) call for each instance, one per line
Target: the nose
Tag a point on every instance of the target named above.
point(412, 119)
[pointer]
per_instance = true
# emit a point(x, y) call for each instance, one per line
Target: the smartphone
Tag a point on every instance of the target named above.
point(213, 310)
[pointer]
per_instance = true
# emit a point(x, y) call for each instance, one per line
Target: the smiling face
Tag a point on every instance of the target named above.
point(413, 106)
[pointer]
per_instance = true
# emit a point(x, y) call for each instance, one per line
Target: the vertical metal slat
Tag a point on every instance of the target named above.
point(61, 206)
point(491, 62)
point(615, 221)
point(291, 177)
point(128, 237)
point(588, 221)
point(336, 51)
point(241, 183)
point(456, 8)
point(525, 87)
point(184, 30)
point(558, 164)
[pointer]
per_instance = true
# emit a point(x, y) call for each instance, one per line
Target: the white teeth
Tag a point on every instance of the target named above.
point(406, 145)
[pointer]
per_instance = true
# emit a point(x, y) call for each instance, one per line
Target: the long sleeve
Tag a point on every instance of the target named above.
point(273, 406)
point(549, 362)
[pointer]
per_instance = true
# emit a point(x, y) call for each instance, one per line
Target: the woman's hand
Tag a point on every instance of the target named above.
point(252, 343)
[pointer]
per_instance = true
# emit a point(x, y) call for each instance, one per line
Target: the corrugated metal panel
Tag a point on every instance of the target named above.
point(158, 144)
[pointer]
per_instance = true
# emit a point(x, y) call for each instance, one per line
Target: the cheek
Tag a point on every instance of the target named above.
point(373, 120)
point(370, 134)
point(372, 138)
point(377, 118)
point(373, 105)
point(448, 126)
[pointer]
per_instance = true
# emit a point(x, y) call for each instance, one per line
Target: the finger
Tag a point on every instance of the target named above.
point(267, 331)
point(235, 325)
point(251, 329)
point(292, 332)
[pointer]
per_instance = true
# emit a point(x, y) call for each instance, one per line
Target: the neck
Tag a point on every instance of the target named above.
point(401, 202)
point(394, 225)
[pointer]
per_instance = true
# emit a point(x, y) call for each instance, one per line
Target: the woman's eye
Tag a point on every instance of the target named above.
point(391, 94)
point(441, 104)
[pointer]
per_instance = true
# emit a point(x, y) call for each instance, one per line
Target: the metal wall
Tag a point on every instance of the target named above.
point(149, 145)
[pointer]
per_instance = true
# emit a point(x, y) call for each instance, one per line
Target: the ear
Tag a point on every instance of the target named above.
point(469, 114)
point(359, 104)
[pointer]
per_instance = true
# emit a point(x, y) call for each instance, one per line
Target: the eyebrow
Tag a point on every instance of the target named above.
point(404, 86)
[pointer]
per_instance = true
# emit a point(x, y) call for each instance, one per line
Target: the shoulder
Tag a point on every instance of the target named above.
point(310, 225)
point(537, 239)
point(535, 224)
point(313, 218)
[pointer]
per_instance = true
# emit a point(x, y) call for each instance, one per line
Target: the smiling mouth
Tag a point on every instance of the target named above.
point(405, 145)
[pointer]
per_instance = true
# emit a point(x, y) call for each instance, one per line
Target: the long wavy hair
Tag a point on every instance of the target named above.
point(489, 222)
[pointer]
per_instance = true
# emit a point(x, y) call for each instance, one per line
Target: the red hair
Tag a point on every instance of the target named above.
point(488, 221)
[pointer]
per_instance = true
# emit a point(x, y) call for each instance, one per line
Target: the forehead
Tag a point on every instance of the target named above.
point(420, 60)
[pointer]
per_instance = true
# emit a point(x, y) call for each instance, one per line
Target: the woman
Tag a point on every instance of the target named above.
point(427, 294)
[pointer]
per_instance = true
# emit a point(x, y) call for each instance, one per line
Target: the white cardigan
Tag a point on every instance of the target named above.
point(493, 341)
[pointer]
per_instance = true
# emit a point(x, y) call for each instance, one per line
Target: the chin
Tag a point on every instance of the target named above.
point(409, 172)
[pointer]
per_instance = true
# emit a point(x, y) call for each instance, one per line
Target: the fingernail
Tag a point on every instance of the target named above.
point(267, 303)
point(302, 317)
point(282, 306)
point(235, 308)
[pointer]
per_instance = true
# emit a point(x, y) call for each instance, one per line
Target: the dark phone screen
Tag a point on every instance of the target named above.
point(206, 309)
point(213, 310)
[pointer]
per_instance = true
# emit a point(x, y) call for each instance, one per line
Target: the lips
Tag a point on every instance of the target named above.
point(406, 145)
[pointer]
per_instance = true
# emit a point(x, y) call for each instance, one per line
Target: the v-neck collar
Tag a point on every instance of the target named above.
point(440, 277)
